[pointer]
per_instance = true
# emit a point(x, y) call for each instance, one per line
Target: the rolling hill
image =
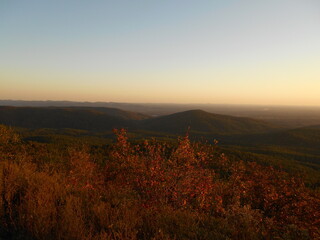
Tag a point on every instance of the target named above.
point(244, 138)
point(305, 138)
point(208, 123)
point(99, 119)
point(286, 116)
point(95, 119)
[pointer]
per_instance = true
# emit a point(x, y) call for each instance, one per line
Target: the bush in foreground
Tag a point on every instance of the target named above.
point(147, 191)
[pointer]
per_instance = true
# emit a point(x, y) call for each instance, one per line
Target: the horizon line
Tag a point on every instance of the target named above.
point(165, 103)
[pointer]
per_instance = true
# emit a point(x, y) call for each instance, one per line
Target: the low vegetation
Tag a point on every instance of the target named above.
point(150, 190)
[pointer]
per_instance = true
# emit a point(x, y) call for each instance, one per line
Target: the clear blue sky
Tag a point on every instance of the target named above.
point(227, 51)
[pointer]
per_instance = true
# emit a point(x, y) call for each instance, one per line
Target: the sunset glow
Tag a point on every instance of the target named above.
point(235, 52)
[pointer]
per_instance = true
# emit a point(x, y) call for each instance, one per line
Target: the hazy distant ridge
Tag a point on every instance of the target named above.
point(286, 116)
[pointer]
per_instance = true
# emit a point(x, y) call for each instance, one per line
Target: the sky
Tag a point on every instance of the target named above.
point(168, 51)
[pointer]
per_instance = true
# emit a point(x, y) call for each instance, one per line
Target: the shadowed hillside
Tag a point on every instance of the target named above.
point(204, 122)
point(306, 138)
point(286, 116)
point(68, 117)
point(101, 119)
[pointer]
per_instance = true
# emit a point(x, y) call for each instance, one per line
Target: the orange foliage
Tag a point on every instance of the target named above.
point(149, 191)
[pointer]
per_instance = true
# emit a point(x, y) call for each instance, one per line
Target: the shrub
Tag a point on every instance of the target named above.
point(150, 190)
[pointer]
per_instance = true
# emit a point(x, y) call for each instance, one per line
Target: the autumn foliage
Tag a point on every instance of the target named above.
point(150, 190)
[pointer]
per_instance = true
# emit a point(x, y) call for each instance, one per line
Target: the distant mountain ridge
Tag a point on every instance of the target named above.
point(100, 119)
point(286, 116)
